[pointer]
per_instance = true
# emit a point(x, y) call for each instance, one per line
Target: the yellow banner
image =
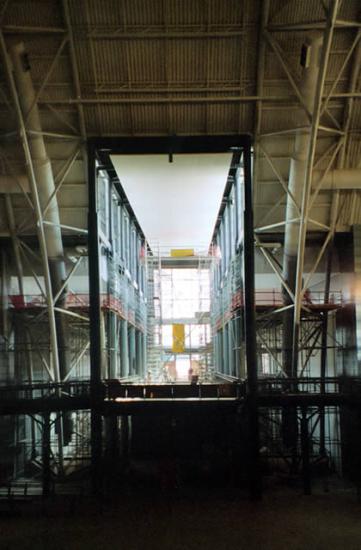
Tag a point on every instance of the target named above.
point(178, 338)
point(181, 252)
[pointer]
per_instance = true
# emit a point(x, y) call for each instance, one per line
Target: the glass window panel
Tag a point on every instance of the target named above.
point(103, 204)
point(126, 240)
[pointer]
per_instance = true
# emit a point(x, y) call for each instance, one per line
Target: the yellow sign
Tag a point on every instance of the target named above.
point(178, 338)
point(181, 252)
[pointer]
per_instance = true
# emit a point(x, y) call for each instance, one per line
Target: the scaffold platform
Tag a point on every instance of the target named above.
point(115, 396)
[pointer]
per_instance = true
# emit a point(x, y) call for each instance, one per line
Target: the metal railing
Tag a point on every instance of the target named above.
point(127, 389)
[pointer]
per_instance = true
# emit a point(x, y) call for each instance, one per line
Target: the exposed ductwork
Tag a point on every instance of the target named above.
point(42, 165)
point(45, 186)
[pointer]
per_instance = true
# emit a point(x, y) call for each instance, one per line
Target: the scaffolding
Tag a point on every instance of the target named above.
point(178, 295)
point(227, 319)
point(285, 432)
point(154, 315)
point(321, 423)
point(207, 371)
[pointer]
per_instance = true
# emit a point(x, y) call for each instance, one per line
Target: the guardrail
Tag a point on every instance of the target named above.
point(274, 297)
point(45, 390)
point(120, 389)
point(267, 297)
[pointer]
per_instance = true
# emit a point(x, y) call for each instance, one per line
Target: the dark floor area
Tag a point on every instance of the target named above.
point(203, 519)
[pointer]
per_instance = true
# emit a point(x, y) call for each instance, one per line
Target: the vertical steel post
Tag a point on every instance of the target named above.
point(124, 347)
point(323, 365)
point(255, 484)
point(124, 441)
point(46, 478)
point(231, 347)
point(237, 345)
point(4, 306)
point(113, 352)
point(95, 326)
point(144, 355)
point(111, 451)
point(225, 349)
point(139, 352)
point(132, 351)
point(305, 449)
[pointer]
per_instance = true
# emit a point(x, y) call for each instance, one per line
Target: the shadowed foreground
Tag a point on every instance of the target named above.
point(221, 520)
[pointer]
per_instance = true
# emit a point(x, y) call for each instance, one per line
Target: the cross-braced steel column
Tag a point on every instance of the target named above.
point(37, 208)
point(46, 192)
point(294, 197)
point(293, 222)
point(306, 194)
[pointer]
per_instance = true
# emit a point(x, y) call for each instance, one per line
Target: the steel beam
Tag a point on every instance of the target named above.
point(191, 100)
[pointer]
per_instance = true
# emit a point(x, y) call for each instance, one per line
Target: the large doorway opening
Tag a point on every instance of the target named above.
point(169, 228)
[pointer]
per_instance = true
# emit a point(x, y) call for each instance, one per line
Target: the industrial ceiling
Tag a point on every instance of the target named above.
point(191, 67)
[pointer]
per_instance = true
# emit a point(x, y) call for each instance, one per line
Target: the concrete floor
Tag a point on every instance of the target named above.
point(197, 520)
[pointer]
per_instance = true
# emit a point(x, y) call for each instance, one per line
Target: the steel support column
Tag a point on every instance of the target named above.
point(124, 441)
point(306, 192)
point(38, 209)
point(305, 449)
point(144, 355)
point(255, 483)
point(132, 351)
point(5, 321)
point(95, 327)
point(138, 352)
point(324, 338)
point(111, 451)
point(231, 345)
point(46, 450)
point(294, 199)
point(113, 356)
point(124, 348)
point(225, 349)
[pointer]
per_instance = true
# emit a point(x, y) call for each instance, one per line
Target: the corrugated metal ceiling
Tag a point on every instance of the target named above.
point(197, 53)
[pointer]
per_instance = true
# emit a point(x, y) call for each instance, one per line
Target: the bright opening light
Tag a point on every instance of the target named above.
point(182, 367)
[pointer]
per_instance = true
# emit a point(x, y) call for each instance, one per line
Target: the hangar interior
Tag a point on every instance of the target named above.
point(180, 243)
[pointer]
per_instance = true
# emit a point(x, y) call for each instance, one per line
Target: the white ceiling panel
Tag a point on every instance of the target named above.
point(177, 202)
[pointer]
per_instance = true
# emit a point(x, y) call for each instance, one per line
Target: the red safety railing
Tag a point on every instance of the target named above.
point(273, 297)
point(79, 301)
